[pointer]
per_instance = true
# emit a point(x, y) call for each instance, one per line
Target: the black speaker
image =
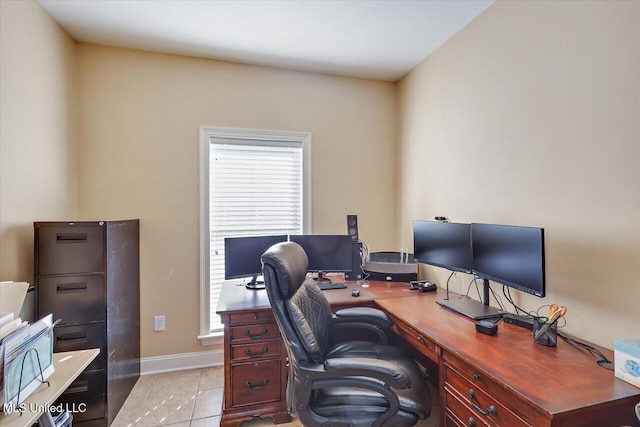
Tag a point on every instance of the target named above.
point(352, 227)
point(356, 272)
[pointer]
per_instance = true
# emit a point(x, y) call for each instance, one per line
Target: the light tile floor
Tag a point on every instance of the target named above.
point(193, 399)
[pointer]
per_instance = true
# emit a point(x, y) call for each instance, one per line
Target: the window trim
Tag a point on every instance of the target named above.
point(207, 133)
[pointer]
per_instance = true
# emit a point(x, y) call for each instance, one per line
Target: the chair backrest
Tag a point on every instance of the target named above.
point(302, 312)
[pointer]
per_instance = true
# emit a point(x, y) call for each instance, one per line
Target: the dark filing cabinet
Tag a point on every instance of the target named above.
point(87, 274)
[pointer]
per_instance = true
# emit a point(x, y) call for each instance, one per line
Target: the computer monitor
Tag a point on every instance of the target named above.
point(511, 255)
point(242, 257)
point(326, 253)
point(443, 244)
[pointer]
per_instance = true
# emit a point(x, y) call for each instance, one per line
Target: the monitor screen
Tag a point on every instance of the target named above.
point(242, 255)
point(442, 244)
point(326, 253)
point(511, 255)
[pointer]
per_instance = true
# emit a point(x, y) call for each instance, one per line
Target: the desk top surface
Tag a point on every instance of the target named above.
point(237, 297)
point(68, 365)
point(558, 379)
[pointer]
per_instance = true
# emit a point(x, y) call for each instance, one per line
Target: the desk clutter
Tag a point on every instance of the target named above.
point(26, 350)
point(26, 358)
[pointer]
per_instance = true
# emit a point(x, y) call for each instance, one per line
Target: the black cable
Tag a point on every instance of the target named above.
point(506, 291)
point(469, 289)
point(603, 362)
point(497, 298)
point(450, 276)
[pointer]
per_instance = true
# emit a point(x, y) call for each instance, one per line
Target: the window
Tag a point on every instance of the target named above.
point(252, 182)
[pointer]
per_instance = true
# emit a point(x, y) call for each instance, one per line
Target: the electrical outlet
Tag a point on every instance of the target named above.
point(158, 323)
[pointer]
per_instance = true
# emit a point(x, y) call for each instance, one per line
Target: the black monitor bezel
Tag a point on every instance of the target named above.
point(348, 241)
point(272, 239)
point(509, 283)
point(417, 258)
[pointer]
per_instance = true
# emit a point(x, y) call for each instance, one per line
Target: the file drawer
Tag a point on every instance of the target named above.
point(88, 389)
point(82, 337)
point(255, 382)
point(73, 299)
point(64, 250)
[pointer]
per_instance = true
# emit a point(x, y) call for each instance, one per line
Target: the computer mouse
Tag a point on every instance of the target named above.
point(355, 293)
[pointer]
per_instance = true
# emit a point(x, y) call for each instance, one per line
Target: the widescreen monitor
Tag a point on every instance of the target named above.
point(242, 257)
point(442, 244)
point(511, 255)
point(326, 253)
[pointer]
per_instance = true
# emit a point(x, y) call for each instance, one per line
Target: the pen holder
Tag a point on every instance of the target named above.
point(545, 333)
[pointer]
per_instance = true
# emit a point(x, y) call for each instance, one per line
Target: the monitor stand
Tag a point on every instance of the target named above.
point(322, 278)
point(254, 283)
point(472, 308)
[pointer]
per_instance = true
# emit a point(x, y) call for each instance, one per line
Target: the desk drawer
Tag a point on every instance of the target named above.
point(254, 332)
point(460, 414)
point(462, 377)
point(255, 382)
point(255, 351)
point(484, 406)
point(418, 341)
point(265, 316)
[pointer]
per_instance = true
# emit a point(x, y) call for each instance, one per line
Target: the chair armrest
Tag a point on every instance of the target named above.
point(383, 370)
point(364, 318)
point(363, 315)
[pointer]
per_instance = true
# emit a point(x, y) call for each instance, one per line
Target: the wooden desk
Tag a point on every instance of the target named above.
point(68, 365)
point(527, 383)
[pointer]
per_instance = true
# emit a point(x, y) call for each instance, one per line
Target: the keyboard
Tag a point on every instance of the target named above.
point(333, 285)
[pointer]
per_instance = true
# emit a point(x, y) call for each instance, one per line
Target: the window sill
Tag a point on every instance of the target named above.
point(214, 338)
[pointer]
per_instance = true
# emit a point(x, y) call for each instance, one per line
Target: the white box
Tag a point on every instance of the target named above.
point(627, 360)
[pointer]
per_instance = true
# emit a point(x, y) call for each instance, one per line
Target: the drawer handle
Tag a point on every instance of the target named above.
point(71, 238)
point(65, 288)
point(471, 422)
point(264, 351)
point(492, 409)
point(477, 377)
point(265, 331)
point(256, 387)
point(76, 337)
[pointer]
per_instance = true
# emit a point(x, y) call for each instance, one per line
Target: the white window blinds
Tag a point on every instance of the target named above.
point(255, 189)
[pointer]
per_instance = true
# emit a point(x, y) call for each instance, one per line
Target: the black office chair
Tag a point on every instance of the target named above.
point(356, 383)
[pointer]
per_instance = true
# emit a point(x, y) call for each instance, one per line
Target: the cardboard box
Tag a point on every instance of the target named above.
point(627, 360)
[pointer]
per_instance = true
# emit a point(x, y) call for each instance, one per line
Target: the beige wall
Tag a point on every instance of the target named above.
point(38, 143)
point(531, 116)
point(139, 118)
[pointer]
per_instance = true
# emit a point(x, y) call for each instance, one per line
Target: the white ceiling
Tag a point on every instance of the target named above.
point(381, 39)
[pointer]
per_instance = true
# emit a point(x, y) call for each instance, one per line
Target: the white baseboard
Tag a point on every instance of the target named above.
point(181, 362)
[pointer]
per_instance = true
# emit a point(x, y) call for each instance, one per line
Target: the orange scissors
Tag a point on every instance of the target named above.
point(555, 312)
